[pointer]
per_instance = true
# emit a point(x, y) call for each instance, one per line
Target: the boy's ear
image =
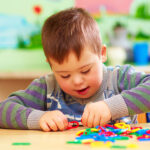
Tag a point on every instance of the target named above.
point(48, 62)
point(103, 53)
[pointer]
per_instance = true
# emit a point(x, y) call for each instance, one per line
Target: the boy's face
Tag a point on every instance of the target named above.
point(80, 78)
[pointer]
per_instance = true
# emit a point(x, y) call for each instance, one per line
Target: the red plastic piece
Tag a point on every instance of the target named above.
point(72, 126)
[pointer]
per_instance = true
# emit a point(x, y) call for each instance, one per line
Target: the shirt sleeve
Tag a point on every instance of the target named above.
point(135, 89)
point(134, 93)
point(15, 110)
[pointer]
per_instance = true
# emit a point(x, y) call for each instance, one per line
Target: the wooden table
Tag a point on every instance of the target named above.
point(54, 140)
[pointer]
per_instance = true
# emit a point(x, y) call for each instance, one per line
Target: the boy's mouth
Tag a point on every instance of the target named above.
point(83, 91)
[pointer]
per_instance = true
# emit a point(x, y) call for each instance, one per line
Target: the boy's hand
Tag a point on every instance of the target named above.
point(53, 121)
point(95, 114)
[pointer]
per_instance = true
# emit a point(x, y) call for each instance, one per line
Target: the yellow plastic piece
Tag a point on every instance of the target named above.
point(132, 146)
point(134, 130)
point(94, 130)
point(122, 125)
point(79, 132)
point(87, 141)
point(101, 144)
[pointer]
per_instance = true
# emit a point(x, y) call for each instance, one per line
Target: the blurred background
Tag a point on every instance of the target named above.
point(124, 27)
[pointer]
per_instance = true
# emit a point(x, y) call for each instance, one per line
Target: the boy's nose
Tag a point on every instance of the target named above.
point(77, 80)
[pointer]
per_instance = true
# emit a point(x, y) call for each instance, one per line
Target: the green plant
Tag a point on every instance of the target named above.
point(35, 41)
point(142, 11)
point(142, 36)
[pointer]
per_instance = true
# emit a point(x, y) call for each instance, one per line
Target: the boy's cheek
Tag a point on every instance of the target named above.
point(95, 79)
point(64, 86)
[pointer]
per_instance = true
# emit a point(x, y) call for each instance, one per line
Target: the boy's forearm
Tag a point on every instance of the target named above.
point(117, 106)
point(13, 115)
point(138, 99)
point(33, 119)
point(135, 89)
point(15, 110)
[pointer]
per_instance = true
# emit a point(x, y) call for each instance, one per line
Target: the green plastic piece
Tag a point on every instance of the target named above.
point(118, 146)
point(74, 142)
point(87, 132)
point(121, 138)
point(135, 134)
point(21, 143)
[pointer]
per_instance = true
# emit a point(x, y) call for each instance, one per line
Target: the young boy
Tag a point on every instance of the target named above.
point(80, 87)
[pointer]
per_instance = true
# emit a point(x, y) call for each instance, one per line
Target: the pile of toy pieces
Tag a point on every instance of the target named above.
point(106, 136)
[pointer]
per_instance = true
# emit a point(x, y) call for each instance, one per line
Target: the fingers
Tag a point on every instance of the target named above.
point(88, 116)
point(52, 124)
point(66, 123)
point(48, 126)
point(97, 113)
point(106, 115)
point(96, 121)
point(103, 122)
point(85, 118)
point(45, 127)
point(53, 121)
point(90, 120)
point(61, 122)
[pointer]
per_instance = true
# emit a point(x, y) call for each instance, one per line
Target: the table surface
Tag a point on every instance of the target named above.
point(54, 140)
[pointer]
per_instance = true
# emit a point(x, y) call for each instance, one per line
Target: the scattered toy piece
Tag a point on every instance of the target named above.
point(18, 143)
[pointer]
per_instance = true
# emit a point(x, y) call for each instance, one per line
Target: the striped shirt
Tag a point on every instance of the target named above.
point(131, 95)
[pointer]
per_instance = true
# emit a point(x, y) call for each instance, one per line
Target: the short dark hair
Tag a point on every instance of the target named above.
point(70, 30)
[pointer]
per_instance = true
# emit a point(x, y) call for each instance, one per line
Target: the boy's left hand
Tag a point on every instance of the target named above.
point(97, 113)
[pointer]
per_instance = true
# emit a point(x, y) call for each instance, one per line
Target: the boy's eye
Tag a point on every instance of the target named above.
point(85, 71)
point(66, 76)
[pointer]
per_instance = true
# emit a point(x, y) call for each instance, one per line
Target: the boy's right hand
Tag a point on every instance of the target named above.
point(53, 121)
